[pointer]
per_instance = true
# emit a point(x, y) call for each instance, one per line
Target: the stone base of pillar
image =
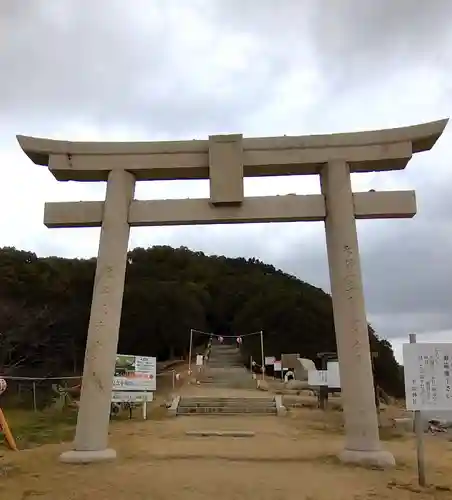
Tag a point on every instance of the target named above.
point(381, 458)
point(86, 457)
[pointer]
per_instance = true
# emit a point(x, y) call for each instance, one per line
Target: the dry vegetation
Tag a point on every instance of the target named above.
point(288, 457)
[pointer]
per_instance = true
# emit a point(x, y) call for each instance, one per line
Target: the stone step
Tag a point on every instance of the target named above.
point(221, 364)
point(242, 404)
point(226, 380)
point(226, 411)
point(224, 347)
point(228, 406)
point(225, 359)
point(227, 398)
point(219, 378)
point(233, 372)
point(231, 384)
point(214, 380)
point(225, 369)
point(211, 433)
point(224, 377)
point(230, 403)
point(229, 352)
point(225, 351)
point(224, 356)
point(216, 368)
point(222, 369)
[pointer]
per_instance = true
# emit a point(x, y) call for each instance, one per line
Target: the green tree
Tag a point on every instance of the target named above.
point(45, 305)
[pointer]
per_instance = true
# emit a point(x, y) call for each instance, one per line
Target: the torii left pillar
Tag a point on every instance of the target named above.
point(91, 437)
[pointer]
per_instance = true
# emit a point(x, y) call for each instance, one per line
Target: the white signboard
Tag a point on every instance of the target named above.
point(199, 359)
point(428, 376)
point(131, 397)
point(329, 377)
point(317, 377)
point(277, 366)
point(334, 379)
point(135, 373)
point(270, 360)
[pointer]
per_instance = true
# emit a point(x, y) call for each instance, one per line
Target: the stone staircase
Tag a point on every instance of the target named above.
point(227, 406)
point(224, 356)
point(224, 370)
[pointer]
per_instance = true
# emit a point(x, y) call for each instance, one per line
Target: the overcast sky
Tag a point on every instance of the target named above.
point(111, 70)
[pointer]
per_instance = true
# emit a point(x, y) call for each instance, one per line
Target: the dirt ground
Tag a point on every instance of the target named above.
point(292, 456)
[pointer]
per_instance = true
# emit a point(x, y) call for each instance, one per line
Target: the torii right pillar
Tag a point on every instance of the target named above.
point(362, 442)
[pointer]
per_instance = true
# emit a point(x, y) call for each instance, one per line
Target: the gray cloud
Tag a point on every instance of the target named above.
point(353, 40)
point(406, 264)
point(102, 63)
point(168, 69)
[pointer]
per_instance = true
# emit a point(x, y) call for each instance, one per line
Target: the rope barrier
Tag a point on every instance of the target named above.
point(225, 336)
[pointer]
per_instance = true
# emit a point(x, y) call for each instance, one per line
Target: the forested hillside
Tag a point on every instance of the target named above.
point(44, 310)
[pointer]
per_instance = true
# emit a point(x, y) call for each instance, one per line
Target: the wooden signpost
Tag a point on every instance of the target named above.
point(4, 427)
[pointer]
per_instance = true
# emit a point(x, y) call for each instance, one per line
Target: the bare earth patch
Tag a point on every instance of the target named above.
point(293, 456)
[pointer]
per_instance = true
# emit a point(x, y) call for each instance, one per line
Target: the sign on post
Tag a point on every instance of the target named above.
point(270, 360)
point(131, 397)
point(428, 377)
point(329, 377)
point(277, 366)
point(334, 377)
point(135, 378)
point(317, 377)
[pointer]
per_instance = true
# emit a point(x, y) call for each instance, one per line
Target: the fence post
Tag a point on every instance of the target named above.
point(35, 407)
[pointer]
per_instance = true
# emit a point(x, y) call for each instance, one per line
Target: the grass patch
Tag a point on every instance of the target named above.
point(31, 429)
point(35, 428)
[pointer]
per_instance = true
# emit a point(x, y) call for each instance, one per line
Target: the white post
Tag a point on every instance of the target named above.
point(419, 431)
point(190, 349)
point(262, 355)
point(91, 437)
point(362, 441)
point(145, 407)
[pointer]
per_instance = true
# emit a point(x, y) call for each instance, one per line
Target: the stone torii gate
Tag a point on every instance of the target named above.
point(225, 160)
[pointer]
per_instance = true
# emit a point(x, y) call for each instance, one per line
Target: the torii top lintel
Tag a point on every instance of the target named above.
point(379, 150)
